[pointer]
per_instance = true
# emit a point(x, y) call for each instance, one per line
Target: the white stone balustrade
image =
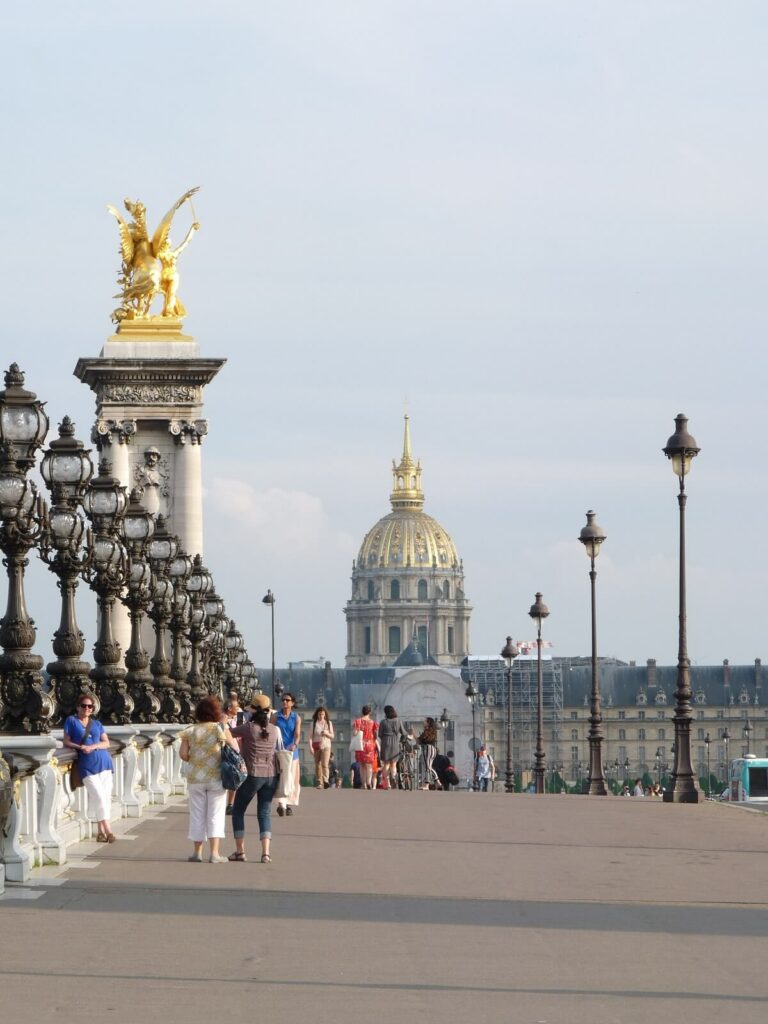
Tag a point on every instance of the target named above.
point(46, 816)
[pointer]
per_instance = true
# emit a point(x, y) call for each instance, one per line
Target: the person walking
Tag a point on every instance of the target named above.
point(201, 745)
point(367, 756)
point(289, 724)
point(233, 716)
point(86, 735)
point(391, 733)
point(321, 737)
point(485, 770)
point(258, 739)
point(428, 743)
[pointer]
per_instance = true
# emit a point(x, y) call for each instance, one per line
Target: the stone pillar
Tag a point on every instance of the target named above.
point(186, 514)
point(149, 381)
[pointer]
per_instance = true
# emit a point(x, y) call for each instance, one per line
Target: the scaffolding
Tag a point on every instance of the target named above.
point(489, 675)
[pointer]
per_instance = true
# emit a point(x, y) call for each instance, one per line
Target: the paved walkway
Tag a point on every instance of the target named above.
point(381, 906)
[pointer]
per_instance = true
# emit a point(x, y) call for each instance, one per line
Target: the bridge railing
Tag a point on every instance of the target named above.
point(46, 816)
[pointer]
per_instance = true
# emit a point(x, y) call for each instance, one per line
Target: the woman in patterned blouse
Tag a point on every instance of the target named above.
point(201, 748)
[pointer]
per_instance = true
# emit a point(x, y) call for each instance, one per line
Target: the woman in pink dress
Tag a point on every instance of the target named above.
point(366, 757)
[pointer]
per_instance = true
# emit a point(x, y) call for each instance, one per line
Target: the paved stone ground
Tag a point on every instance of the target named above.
point(381, 906)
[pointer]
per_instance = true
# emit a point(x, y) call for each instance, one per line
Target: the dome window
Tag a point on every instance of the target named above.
point(423, 591)
point(371, 591)
point(394, 639)
point(394, 592)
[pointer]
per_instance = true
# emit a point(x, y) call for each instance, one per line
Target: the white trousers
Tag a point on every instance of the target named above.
point(207, 811)
point(295, 785)
point(99, 790)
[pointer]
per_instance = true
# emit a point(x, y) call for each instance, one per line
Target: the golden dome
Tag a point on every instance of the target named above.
point(407, 538)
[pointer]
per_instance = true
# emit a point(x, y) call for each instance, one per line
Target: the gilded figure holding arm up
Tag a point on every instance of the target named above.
point(149, 265)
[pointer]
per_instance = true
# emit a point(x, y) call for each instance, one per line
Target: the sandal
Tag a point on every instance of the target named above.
point(237, 856)
point(266, 859)
point(101, 837)
point(111, 837)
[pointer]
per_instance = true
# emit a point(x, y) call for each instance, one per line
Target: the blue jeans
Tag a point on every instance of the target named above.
point(263, 788)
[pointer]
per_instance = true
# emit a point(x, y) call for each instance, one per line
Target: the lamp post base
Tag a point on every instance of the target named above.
point(682, 791)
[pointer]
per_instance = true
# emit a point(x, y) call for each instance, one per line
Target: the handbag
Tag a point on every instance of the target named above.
point(233, 770)
point(357, 743)
point(75, 778)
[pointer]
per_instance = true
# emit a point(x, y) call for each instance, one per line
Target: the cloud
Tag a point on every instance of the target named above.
point(282, 522)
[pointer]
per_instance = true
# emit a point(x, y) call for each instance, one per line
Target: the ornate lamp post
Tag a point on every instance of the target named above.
point(198, 586)
point(23, 428)
point(627, 766)
point(179, 571)
point(162, 550)
point(747, 732)
point(707, 742)
point(509, 652)
point(269, 598)
point(658, 765)
point(592, 537)
point(66, 469)
point(107, 571)
point(538, 613)
point(138, 528)
point(471, 694)
point(444, 722)
point(681, 448)
point(726, 741)
point(234, 644)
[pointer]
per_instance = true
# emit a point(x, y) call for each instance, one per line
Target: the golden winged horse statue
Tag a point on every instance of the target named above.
point(149, 265)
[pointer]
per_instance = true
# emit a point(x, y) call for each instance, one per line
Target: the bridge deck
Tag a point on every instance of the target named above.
point(381, 905)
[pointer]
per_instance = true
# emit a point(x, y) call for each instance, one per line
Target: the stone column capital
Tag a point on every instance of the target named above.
point(188, 431)
point(107, 432)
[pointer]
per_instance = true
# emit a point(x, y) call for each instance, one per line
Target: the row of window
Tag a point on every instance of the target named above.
point(395, 639)
point(422, 590)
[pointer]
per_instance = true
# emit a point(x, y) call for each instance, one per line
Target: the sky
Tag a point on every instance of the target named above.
point(539, 227)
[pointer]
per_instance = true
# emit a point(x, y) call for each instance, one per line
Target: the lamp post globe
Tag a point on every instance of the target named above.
point(509, 652)
point(538, 612)
point(681, 449)
point(592, 536)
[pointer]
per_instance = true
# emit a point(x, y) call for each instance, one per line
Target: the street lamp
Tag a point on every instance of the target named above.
point(747, 732)
point(471, 694)
point(539, 612)
point(107, 572)
point(627, 766)
point(658, 765)
point(179, 572)
point(162, 550)
point(509, 652)
point(23, 427)
point(66, 469)
point(681, 448)
point(707, 741)
point(592, 537)
point(444, 722)
point(138, 528)
point(198, 586)
point(269, 598)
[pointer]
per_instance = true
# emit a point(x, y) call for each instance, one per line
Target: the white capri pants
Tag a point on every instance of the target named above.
point(207, 811)
point(99, 790)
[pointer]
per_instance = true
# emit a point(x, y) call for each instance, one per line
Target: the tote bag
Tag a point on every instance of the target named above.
point(283, 759)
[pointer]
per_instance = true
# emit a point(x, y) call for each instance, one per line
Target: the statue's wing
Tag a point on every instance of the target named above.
point(164, 227)
point(126, 241)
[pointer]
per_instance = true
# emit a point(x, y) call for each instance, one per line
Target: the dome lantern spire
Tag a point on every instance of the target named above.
point(406, 477)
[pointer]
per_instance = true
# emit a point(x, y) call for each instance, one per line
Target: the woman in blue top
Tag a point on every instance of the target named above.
point(289, 724)
point(85, 735)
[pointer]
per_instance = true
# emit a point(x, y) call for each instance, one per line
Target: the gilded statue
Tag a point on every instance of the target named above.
point(149, 265)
